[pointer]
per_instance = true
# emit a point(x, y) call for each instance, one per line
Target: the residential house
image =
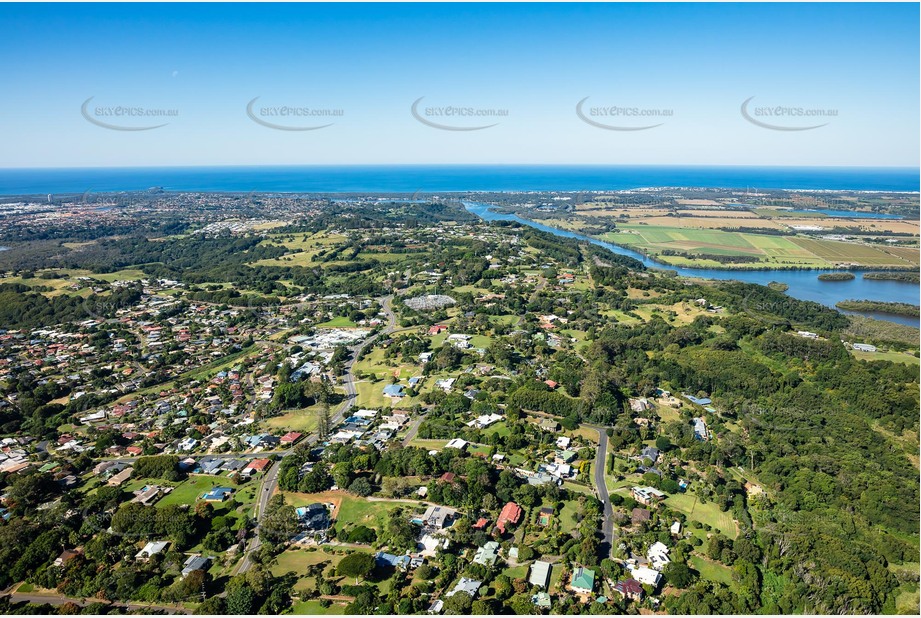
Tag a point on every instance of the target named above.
point(121, 477)
point(257, 465)
point(457, 443)
point(658, 555)
point(195, 563)
point(151, 549)
point(394, 390)
point(629, 589)
point(218, 494)
point(583, 581)
point(383, 559)
point(542, 600)
point(313, 517)
point(511, 514)
point(438, 517)
point(291, 438)
point(66, 556)
point(488, 554)
point(647, 576)
point(470, 586)
point(640, 515)
point(540, 573)
point(646, 495)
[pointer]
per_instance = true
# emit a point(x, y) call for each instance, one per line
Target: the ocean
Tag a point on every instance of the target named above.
point(450, 178)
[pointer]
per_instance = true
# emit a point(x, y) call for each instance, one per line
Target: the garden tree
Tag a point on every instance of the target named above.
point(481, 608)
point(29, 490)
point(317, 480)
point(241, 600)
point(204, 510)
point(189, 587)
point(213, 606)
point(323, 422)
point(279, 522)
point(679, 575)
point(525, 552)
point(399, 533)
point(358, 565)
point(459, 603)
point(342, 474)
point(502, 586)
point(164, 467)
point(361, 534)
point(361, 487)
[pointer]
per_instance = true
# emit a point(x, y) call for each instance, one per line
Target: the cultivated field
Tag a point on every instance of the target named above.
point(772, 251)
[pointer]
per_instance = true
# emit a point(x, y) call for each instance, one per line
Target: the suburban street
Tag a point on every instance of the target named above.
point(607, 526)
point(57, 600)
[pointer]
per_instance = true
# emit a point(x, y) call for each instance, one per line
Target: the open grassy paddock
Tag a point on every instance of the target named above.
point(708, 513)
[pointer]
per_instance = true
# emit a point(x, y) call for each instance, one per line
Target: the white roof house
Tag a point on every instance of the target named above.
point(151, 549)
point(658, 555)
point(470, 586)
point(540, 573)
point(646, 575)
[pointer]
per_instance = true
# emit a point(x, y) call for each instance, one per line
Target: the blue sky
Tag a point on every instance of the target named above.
point(858, 63)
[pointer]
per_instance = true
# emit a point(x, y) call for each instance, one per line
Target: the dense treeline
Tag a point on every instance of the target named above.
point(21, 308)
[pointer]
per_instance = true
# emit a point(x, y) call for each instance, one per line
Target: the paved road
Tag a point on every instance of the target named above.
point(266, 490)
point(54, 599)
point(413, 430)
point(607, 525)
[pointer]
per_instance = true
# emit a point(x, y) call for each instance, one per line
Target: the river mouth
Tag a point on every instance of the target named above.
point(802, 284)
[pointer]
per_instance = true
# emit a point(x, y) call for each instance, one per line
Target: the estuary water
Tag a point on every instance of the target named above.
point(804, 284)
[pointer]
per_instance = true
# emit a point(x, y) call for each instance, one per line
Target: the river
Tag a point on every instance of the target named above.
point(803, 284)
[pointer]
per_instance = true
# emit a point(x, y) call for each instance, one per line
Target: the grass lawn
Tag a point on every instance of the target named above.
point(556, 572)
point(313, 607)
point(709, 513)
point(303, 420)
point(432, 445)
point(518, 572)
point(352, 510)
point(500, 428)
point(339, 322)
point(191, 490)
point(710, 570)
point(507, 320)
point(895, 357)
point(567, 516)
point(298, 560)
point(581, 489)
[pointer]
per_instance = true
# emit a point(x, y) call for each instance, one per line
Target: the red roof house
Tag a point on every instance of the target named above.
point(511, 514)
point(258, 465)
point(291, 437)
